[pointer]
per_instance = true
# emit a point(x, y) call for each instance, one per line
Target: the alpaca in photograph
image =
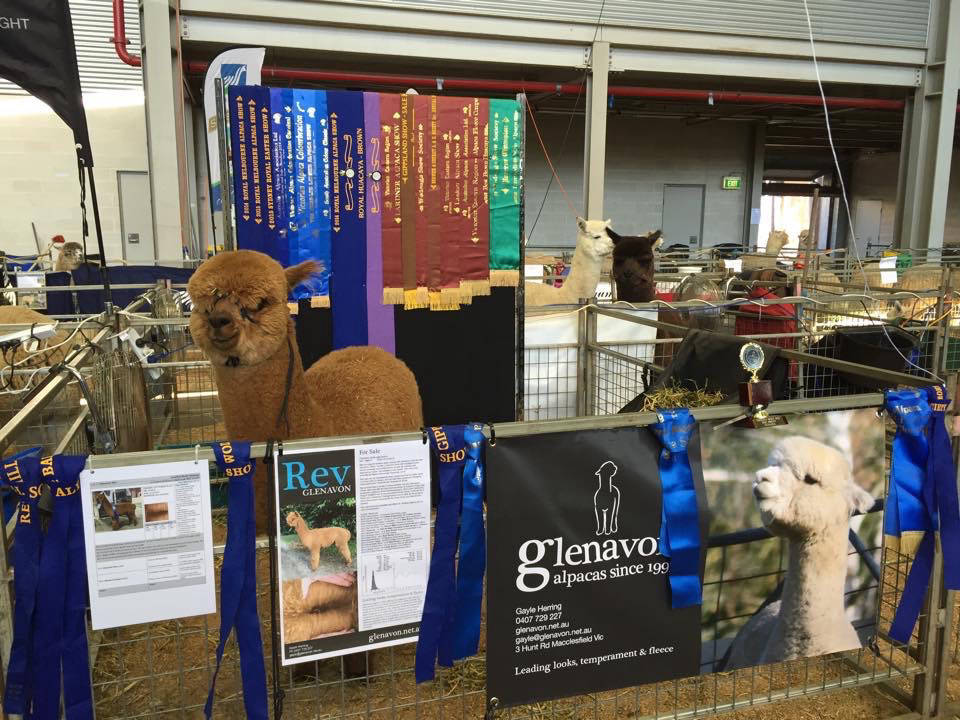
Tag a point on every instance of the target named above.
point(316, 539)
point(633, 265)
point(117, 511)
point(606, 500)
point(241, 322)
point(317, 608)
point(807, 496)
point(594, 245)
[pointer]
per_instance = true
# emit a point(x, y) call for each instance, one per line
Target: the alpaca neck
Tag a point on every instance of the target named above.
point(812, 602)
point(252, 397)
point(584, 274)
point(302, 530)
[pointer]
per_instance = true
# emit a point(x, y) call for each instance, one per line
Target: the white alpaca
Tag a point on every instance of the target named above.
point(806, 495)
point(593, 247)
point(606, 500)
point(776, 241)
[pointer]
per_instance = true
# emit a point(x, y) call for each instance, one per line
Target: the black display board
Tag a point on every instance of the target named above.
point(464, 360)
point(577, 596)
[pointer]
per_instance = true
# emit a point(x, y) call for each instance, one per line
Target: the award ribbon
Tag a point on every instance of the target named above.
point(450, 626)
point(922, 497)
point(60, 636)
point(238, 581)
point(679, 524)
point(23, 476)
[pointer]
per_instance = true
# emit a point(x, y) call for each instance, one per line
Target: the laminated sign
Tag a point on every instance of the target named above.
point(578, 599)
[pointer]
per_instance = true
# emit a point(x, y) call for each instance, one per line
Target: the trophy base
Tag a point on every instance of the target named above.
point(761, 420)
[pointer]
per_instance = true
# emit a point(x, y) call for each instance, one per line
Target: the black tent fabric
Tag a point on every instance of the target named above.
point(711, 361)
point(37, 52)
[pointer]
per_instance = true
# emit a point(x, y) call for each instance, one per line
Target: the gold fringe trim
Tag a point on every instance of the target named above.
point(393, 296)
point(474, 288)
point(907, 544)
point(439, 301)
point(320, 301)
point(504, 278)
point(293, 307)
point(415, 300)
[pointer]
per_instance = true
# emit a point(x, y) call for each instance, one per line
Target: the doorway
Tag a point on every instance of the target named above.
point(683, 215)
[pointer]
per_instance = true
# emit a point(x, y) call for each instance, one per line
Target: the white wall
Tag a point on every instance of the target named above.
point(39, 179)
point(643, 154)
point(875, 178)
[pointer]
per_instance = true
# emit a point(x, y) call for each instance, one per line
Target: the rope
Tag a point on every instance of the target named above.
point(546, 156)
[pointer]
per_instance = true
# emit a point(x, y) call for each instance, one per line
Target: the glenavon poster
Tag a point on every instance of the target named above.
point(353, 538)
point(578, 593)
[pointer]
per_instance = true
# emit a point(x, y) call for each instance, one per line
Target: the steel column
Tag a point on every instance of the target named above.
point(161, 85)
point(754, 187)
point(595, 131)
point(927, 143)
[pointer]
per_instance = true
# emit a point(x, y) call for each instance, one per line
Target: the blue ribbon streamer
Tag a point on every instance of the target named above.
point(923, 496)
point(473, 549)
point(679, 524)
point(238, 581)
point(23, 476)
point(450, 625)
point(60, 637)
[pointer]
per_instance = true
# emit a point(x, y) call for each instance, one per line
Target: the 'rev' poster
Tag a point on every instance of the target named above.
point(353, 531)
point(579, 580)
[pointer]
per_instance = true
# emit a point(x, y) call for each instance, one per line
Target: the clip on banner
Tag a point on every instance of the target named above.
point(922, 499)
point(238, 581)
point(51, 592)
point(450, 626)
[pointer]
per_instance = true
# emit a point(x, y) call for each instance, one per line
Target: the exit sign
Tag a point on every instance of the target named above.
point(732, 182)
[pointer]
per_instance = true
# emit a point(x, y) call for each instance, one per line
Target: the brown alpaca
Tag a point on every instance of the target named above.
point(317, 539)
point(118, 510)
point(325, 609)
point(241, 322)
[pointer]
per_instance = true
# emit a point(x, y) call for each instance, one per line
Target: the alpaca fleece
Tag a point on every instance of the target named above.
point(805, 495)
point(241, 322)
point(633, 265)
point(326, 608)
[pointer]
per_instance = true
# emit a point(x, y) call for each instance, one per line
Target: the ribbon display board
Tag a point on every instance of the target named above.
point(577, 596)
point(412, 200)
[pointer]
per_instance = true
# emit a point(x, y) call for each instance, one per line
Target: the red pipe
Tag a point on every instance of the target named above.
point(120, 41)
point(119, 38)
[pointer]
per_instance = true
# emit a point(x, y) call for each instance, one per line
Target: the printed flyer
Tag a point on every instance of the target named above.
point(149, 543)
point(578, 597)
point(354, 544)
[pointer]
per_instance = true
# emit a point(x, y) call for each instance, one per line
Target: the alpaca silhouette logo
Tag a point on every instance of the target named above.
point(606, 500)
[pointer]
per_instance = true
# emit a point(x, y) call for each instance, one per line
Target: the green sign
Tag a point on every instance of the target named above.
point(732, 182)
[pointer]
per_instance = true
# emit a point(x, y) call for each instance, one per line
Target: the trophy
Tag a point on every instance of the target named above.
point(756, 394)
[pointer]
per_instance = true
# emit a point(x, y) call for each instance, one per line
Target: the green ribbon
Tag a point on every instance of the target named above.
point(506, 174)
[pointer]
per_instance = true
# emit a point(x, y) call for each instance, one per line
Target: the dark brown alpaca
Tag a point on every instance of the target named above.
point(633, 265)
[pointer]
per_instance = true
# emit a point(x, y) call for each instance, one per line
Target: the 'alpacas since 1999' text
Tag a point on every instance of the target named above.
point(532, 552)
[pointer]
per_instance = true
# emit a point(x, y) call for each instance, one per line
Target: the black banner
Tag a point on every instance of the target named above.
point(578, 597)
point(37, 52)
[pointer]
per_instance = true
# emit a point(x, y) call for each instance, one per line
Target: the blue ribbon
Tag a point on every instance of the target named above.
point(922, 497)
point(679, 523)
point(473, 552)
point(348, 284)
point(450, 625)
point(23, 476)
point(238, 582)
point(60, 635)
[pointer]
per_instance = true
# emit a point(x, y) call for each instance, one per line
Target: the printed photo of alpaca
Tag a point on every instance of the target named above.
point(788, 507)
point(120, 509)
point(317, 608)
point(157, 512)
point(318, 540)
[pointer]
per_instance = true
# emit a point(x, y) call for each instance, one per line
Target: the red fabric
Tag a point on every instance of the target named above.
point(769, 320)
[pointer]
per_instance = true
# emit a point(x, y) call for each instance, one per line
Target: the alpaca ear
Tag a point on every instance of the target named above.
point(860, 500)
point(613, 235)
point(297, 274)
point(582, 224)
point(657, 240)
